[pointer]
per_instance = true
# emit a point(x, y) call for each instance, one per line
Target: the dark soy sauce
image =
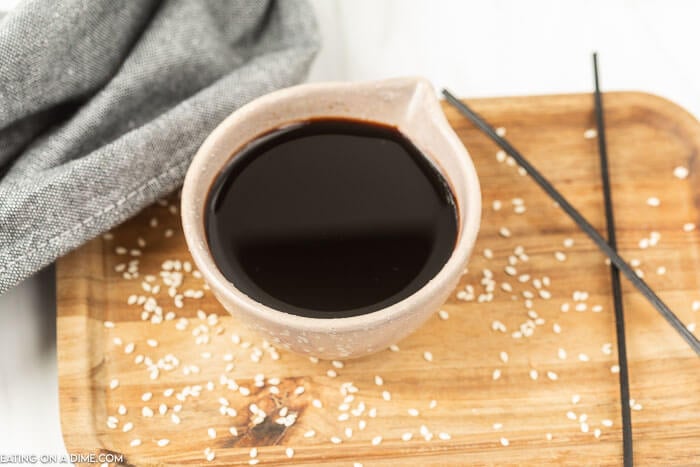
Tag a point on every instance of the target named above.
point(330, 218)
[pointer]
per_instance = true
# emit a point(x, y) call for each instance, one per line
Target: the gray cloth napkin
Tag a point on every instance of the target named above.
point(103, 103)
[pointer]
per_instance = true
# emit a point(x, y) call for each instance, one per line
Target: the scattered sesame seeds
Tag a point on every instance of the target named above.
point(590, 133)
point(681, 172)
point(653, 201)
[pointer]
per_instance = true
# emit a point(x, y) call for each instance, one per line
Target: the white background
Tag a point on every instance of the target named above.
point(476, 48)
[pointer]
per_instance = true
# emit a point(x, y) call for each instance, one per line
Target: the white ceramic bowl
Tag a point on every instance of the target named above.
point(410, 104)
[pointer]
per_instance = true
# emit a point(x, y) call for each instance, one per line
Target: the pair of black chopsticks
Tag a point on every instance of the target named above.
point(608, 247)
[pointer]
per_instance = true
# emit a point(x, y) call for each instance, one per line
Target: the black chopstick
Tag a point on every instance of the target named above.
point(627, 451)
point(579, 219)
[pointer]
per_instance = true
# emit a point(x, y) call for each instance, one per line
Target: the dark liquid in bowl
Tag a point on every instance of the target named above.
point(330, 218)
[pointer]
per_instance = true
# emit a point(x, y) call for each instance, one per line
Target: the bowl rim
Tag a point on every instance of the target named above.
point(469, 209)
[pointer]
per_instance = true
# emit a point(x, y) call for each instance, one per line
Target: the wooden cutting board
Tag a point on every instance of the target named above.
point(548, 420)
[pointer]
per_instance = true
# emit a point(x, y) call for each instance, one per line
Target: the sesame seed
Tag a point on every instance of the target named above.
point(534, 374)
point(688, 227)
point(568, 242)
point(548, 436)
point(135, 443)
point(444, 436)
point(211, 432)
point(253, 452)
point(583, 357)
point(556, 328)
point(331, 373)
point(299, 390)
point(163, 442)
point(289, 452)
point(317, 403)
point(394, 348)
point(606, 422)
point(378, 380)
point(552, 376)
point(122, 409)
point(253, 461)
point(615, 369)
point(496, 205)
point(501, 131)
point(407, 436)
point(309, 434)
point(496, 374)
point(560, 256)
point(147, 412)
point(504, 357)
point(504, 232)
point(584, 427)
point(428, 356)
point(114, 383)
point(653, 201)
point(146, 396)
point(505, 442)
point(386, 395)
point(590, 133)
point(561, 353)
point(376, 441)
point(575, 399)
point(443, 314)
point(498, 426)
point(413, 412)
point(681, 172)
point(433, 404)
point(571, 415)
point(336, 440)
point(337, 364)
point(128, 426)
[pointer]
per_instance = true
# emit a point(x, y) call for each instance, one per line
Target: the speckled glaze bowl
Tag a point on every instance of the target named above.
point(410, 104)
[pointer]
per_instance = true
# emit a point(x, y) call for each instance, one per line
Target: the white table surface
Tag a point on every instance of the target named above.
point(476, 48)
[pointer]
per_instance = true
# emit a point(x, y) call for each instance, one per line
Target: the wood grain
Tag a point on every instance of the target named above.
point(648, 137)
